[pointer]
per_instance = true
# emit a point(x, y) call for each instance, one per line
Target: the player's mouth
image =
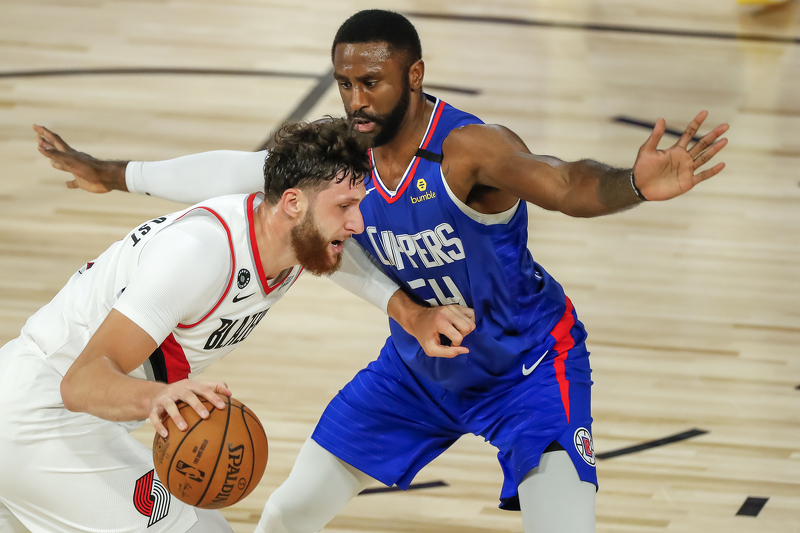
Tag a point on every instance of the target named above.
point(337, 246)
point(364, 126)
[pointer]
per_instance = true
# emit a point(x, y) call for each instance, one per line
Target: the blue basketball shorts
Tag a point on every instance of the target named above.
point(389, 423)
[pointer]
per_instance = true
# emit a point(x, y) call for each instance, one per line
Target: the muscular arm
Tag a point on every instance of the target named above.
point(495, 157)
point(166, 289)
point(495, 163)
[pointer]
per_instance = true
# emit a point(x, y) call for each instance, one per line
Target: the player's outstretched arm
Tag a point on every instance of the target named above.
point(429, 324)
point(188, 179)
point(98, 382)
point(496, 158)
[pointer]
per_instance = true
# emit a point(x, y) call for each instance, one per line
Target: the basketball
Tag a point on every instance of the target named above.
point(217, 461)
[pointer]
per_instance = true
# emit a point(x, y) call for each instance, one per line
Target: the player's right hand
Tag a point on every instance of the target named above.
point(90, 174)
point(186, 390)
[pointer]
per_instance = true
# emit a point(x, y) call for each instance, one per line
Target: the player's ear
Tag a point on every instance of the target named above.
point(294, 203)
point(415, 75)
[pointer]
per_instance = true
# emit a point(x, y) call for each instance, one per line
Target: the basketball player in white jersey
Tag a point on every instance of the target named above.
point(126, 336)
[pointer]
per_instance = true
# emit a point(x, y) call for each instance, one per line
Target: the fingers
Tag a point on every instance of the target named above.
point(209, 392)
point(691, 129)
point(155, 419)
point(704, 158)
point(446, 352)
point(707, 140)
point(174, 413)
point(53, 138)
point(716, 169)
point(651, 144)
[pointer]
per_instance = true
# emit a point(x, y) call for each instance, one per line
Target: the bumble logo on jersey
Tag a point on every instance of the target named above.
point(422, 185)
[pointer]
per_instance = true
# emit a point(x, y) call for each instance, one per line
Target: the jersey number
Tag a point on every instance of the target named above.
point(441, 299)
point(144, 229)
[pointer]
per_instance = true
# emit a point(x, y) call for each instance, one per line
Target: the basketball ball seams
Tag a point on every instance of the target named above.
point(252, 452)
point(235, 475)
point(189, 430)
point(221, 449)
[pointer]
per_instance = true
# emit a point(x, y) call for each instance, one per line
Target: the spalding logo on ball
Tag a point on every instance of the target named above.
point(217, 461)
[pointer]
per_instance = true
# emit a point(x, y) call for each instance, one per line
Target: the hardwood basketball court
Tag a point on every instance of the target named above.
point(692, 306)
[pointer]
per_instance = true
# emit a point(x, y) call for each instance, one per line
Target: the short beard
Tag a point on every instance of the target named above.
point(311, 248)
point(391, 122)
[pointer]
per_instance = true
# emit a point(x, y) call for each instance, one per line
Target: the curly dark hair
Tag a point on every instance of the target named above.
point(307, 156)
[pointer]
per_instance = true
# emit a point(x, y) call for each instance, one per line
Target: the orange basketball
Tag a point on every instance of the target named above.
point(217, 461)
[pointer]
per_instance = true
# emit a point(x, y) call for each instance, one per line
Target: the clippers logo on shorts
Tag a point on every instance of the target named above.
point(151, 498)
point(584, 445)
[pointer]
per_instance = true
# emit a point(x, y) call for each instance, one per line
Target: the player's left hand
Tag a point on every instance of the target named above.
point(451, 321)
point(665, 174)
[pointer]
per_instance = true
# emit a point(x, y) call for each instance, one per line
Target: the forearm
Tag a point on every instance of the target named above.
point(403, 310)
point(198, 177)
point(597, 189)
point(100, 388)
point(361, 276)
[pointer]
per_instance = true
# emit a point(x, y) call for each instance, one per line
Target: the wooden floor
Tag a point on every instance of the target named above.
point(692, 306)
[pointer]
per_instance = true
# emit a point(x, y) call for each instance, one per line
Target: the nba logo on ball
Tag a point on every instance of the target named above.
point(583, 443)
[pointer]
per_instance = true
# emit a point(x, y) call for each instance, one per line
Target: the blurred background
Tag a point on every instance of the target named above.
point(692, 306)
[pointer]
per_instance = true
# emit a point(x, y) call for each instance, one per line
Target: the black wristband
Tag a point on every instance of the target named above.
point(636, 189)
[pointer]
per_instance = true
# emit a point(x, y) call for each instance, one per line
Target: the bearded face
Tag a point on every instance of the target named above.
point(387, 124)
point(316, 253)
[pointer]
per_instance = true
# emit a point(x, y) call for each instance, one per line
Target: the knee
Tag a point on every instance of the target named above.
point(278, 518)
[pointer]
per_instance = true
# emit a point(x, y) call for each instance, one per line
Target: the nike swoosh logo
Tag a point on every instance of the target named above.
point(237, 299)
point(369, 190)
point(527, 371)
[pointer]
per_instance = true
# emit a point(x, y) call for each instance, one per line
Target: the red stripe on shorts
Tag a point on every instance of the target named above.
point(564, 343)
point(175, 360)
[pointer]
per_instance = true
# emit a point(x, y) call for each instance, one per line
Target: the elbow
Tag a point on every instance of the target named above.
point(69, 395)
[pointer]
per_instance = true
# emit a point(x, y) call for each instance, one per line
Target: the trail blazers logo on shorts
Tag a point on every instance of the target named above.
point(151, 498)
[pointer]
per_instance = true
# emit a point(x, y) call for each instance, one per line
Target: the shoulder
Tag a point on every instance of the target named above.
point(197, 243)
point(478, 139)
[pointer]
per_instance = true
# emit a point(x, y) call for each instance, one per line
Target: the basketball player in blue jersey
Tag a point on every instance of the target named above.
point(445, 216)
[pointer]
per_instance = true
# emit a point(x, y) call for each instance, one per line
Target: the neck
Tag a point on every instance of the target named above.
point(273, 240)
point(401, 149)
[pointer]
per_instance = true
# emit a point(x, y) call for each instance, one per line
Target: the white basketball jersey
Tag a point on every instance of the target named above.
point(62, 328)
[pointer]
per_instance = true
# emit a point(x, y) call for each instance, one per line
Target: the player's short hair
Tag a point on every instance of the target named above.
point(308, 156)
point(378, 25)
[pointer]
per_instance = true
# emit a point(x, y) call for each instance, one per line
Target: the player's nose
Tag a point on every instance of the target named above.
point(355, 222)
point(358, 99)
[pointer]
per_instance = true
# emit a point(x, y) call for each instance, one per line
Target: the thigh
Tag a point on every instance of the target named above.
point(554, 499)
point(65, 471)
point(386, 423)
point(553, 404)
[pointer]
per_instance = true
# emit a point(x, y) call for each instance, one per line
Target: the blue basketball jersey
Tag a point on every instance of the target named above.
point(442, 252)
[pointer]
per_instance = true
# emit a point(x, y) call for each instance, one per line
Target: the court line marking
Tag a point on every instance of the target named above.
point(752, 506)
point(614, 28)
point(155, 71)
point(652, 444)
point(648, 125)
point(413, 486)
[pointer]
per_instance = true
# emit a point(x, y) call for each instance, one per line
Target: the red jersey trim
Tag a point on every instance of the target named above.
point(251, 228)
point(233, 264)
point(409, 177)
point(564, 343)
point(175, 360)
